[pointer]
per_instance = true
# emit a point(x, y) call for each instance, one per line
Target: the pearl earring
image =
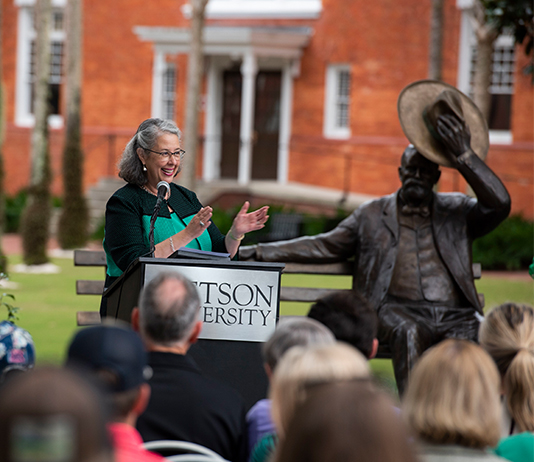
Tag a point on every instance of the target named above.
point(144, 168)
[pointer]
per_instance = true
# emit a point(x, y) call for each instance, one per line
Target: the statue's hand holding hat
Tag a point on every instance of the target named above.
point(441, 122)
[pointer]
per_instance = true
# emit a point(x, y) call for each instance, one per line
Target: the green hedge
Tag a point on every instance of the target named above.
point(509, 247)
point(14, 207)
point(311, 224)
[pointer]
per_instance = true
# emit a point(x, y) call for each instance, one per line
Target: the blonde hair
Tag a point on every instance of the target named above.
point(507, 334)
point(453, 396)
point(303, 367)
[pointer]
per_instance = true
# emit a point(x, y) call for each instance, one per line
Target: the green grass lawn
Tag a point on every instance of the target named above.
point(49, 304)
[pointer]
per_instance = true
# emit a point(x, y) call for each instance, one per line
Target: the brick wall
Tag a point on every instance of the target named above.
point(384, 41)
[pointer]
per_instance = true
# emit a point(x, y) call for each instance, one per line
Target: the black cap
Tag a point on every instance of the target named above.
point(111, 348)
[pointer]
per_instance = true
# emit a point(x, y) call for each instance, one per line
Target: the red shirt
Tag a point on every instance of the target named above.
point(127, 445)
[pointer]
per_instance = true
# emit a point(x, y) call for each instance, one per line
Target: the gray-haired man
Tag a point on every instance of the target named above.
point(184, 405)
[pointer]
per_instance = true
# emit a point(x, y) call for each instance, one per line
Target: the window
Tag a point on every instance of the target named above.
point(26, 67)
point(502, 82)
point(169, 91)
point(502, 79)
point(337, 102)
point(163, 86)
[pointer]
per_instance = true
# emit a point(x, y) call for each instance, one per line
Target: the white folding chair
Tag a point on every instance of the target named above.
point(193, 458)
point(184, 448)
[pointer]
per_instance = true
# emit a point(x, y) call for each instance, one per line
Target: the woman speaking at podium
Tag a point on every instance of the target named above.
point(154, 155)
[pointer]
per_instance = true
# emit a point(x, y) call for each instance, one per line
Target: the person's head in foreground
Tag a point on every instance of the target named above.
point(167, 316)
point(507, 334)
point(115, 356)
point(453, 396)
point(346, 421)
point(52, 415)
point(351, 319)
point(290, 332)
point(302, 368)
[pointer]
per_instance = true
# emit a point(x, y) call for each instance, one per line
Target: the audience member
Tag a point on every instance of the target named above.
point(351, 319)
point(452, 403)
point(52, 415)
point(346, 421)
point(116, 358)
point(17, 352)
point(300, 369)
point(184, 405)
point(290, 332)
point(507, 334)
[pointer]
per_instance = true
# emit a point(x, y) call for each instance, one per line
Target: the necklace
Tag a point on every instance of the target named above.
point(147, 190)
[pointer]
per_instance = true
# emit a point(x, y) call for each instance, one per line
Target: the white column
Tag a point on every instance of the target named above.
point(212, 150)
point(249, 68)
point(286, 108)
point(157, 83)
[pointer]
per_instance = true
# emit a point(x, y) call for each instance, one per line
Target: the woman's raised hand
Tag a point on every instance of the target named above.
point(199, 222)
point(246, 222)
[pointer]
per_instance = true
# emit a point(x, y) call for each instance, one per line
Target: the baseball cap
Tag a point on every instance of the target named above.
point(112, 348)
point(17, 350)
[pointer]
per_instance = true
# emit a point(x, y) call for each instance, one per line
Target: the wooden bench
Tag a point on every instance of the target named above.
point(287, 294)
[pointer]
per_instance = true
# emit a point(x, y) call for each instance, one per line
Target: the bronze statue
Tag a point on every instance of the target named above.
point(412, 249)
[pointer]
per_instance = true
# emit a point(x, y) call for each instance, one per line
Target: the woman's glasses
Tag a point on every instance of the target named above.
point(166, 154)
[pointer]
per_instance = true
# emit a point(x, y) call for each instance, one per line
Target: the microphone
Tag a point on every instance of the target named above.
point(163, 189)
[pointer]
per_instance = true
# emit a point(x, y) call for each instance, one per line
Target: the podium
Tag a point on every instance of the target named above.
point(240, 306)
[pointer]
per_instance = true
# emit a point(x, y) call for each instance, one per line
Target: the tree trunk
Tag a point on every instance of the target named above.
point(36, 215)
point(3, 261)
point(194, 81)
point(436, 41)
point(72, 229)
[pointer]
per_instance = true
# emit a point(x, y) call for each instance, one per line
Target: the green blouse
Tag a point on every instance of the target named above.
point(128, 214)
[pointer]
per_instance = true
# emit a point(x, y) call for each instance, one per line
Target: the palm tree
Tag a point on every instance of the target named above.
point(72, 228)
point(194, 78)
point(3, 261)
point(36, 215)
point(436, 40)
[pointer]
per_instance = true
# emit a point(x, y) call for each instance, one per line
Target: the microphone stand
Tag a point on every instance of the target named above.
point(163, 188)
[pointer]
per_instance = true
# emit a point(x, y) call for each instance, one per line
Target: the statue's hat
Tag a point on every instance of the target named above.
point(419, 106)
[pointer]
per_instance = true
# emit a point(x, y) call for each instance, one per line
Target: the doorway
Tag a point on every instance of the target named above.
point(266, 130)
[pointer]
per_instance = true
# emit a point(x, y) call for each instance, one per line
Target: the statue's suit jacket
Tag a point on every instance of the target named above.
point(371, 233)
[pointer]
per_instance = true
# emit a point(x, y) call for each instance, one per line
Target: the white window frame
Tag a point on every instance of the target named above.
point(260, 9)
point(25, 35)
point(467, 45)
point(331, 129)
point(169, 96)
point(159, 75)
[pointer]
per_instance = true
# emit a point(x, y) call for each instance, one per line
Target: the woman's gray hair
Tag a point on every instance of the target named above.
point(130, 167)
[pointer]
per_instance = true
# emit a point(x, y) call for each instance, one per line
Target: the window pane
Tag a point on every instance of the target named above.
point(56, 75)
point(502, 85)
point(343, 99)
point(169, 91)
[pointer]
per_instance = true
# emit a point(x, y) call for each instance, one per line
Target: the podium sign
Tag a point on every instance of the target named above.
point(236, 304)
point(239, 310)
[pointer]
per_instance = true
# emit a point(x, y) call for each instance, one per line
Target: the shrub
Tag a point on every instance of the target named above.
point(14, 207)
point(509, 247)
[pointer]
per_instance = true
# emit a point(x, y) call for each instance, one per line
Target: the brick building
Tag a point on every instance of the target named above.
point(295, 91)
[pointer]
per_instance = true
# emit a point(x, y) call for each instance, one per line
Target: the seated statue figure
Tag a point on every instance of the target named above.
point(412, 249)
